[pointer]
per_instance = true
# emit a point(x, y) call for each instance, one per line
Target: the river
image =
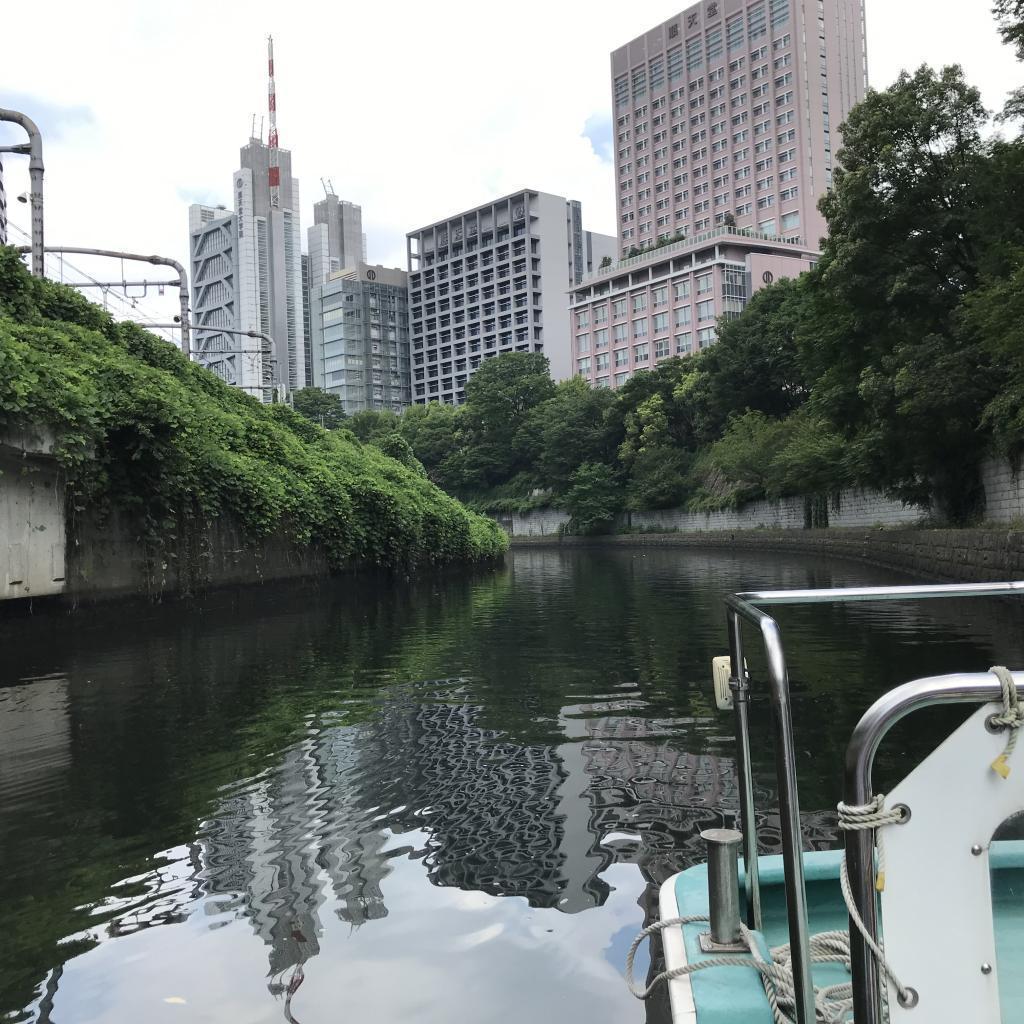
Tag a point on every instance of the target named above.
point(440, 800)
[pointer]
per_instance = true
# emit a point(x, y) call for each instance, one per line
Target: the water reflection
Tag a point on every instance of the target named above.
point(276, 775)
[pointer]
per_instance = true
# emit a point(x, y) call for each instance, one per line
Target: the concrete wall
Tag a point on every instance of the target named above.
point(1004, 491)
point(31, 517)
point(543, 522)
point(108, 560)
point(853, 508)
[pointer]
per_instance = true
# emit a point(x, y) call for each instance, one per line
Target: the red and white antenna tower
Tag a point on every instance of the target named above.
point(275, 158)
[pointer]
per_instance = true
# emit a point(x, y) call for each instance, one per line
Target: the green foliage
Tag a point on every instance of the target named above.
point(143, 431)
point(318, 406)
point(594, 498)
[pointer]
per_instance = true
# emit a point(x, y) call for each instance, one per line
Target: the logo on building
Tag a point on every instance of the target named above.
point(767, 277)
point(371, 275)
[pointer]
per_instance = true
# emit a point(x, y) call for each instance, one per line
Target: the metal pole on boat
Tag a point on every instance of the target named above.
point(748, 823)
point(789, 821)
point(723, 884)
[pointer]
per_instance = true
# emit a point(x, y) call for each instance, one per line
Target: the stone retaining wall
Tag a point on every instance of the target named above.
point(958, 555)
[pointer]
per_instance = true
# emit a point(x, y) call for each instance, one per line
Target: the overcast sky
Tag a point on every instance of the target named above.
point(413, 110)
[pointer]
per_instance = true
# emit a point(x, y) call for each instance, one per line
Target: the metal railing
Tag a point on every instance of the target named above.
point(745, 607)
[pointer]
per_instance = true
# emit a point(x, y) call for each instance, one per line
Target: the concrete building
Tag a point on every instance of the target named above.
point(729, 113)
point(726, 120)
point(665, 303)
point(493, 280)
point(359, 322)
point(247, 275)
point(336, 238)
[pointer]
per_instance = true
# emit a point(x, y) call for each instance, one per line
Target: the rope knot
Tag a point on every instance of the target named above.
point(872, 816)
point(1011, 718)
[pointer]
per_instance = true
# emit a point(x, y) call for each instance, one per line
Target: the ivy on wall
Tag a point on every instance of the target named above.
point(144, 432)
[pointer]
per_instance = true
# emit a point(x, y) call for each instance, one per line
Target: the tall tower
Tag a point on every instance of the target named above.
point(274, 177)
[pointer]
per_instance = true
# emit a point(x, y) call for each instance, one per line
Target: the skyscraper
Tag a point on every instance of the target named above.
point(726, 121)
point(493, 280)
point(336, 239)
point(247, 272)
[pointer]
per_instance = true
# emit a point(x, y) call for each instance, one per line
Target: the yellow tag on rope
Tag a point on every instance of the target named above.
point(880, 882)
point(1001, 766)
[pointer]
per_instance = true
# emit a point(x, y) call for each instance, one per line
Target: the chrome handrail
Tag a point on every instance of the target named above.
point(744, 607)
point(959, 688)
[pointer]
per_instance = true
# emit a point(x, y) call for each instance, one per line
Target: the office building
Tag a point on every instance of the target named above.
point(726, 120)
point(359, 321)
point(247, 276)
point(336, 238)
point(492, 280)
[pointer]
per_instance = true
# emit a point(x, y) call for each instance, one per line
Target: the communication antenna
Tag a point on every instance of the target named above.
point(275, 157)
point(328, 186)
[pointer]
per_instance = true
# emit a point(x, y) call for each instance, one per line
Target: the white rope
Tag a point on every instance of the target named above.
point(1012, 718)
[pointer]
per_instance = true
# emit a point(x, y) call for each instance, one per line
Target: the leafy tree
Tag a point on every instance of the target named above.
point(499, 398)
point(594, 498)
point(1010, 18)
point(566, 430)
point(433, 432)
point(886, 369)
point(396, 447)
point(319, 406)
point(606, 261)
point(369, 424)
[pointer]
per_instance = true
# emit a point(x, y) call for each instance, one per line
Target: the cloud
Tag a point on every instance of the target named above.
point(598, 130)
point(56, 121)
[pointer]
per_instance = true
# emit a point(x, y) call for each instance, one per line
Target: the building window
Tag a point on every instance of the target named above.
point(582, 343)
point(583, 320)
point(600, 315)
point(583, 367)
point(640, 302)
point(622, 357)
point(600, 338)
point(661, 348)
point(640, 327)
point(683, 315)
point(660, 323)
point(620, 332)
point(682, 289)
point(706, 310)
point(641, 353)
point(618, 307)
point(659, 296)
point(684, 343)
point(601, 361)
point(705, 284)
point(791, 220)
point(706, 336)
point(621, 378)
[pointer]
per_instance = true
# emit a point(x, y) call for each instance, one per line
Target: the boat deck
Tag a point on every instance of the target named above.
point(733, 996)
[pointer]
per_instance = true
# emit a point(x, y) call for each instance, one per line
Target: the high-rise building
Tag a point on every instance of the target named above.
point(727, 120)
point(247, 272)
point(493, 280)
point(359, 321)
point(728, 113)
point(336, 239)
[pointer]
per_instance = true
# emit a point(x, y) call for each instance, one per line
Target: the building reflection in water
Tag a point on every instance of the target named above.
point(424, 779)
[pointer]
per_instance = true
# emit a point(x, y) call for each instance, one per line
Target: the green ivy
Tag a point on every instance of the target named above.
point(142, 431)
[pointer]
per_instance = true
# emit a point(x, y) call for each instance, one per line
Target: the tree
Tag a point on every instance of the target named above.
point(876, 339)
point(368, 424)
point(499, 398)
point(606, 261)
point(319, 406)
point(1010, 18)
point(755, 364)
point(433, 433)
point(566, 430)
point(594, 498)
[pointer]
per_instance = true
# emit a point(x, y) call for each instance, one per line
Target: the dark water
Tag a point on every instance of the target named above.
point(440, 801)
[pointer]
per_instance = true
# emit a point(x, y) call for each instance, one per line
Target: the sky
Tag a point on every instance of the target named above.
point(413, 110)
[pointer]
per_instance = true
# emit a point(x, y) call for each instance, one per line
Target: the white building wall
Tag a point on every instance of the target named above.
point(556, 274)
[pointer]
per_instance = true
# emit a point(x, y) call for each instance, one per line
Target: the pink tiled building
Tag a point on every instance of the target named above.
point(726, 120)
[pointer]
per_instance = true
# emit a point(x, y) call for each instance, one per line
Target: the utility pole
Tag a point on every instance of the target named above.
point(34, 149)
point(163, 261)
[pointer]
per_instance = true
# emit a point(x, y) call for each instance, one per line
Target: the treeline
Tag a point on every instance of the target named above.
point(896, 363)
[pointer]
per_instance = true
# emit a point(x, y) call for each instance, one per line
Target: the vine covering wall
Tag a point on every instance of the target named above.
point(143, 432)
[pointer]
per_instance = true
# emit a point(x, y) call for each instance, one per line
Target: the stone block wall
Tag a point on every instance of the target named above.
point(541, 522)
point(1004, 491)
